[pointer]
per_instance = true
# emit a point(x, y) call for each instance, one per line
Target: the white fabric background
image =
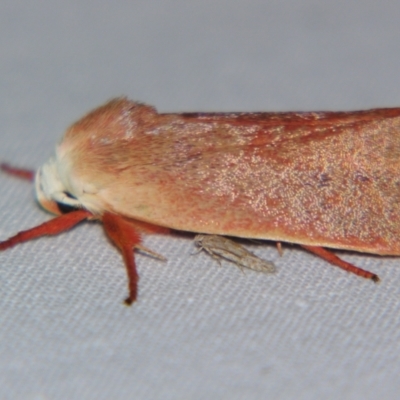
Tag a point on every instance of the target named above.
point(198, 331)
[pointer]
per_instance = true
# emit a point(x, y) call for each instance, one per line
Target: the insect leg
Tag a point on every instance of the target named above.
point(124, 235)
point(52, 227)
point(279, 247)
point(335, 260)
point(18, 172)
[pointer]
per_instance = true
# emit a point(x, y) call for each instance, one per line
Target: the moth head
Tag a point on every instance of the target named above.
point(51, 193)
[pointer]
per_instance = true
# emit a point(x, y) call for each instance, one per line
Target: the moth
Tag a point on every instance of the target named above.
point(221, 247)
point(317, 179)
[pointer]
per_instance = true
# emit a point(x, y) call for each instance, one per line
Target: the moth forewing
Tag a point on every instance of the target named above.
point(316, 179)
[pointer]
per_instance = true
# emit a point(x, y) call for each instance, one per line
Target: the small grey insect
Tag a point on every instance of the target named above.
point(221, 247)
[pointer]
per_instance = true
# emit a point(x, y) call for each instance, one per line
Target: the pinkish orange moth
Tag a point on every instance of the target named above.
point(318, 179)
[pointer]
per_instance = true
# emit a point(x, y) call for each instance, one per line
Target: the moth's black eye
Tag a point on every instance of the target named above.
point(65, 208)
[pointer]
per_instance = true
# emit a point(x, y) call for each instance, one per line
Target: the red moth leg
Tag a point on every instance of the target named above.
point(18, 172)
point(126, 237)
point(52, 227)
point(335, 260)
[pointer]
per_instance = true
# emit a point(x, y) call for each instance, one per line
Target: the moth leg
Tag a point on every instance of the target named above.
point(18, 172)
point(335, 260)
point(150, 252)
point(279, 248)
point(214, 256)
point(52, 227)
point(125, 236)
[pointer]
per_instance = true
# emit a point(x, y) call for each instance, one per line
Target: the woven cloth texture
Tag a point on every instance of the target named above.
point(198, 330)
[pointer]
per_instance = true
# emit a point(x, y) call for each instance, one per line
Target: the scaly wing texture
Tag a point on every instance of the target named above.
point(321, 179)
